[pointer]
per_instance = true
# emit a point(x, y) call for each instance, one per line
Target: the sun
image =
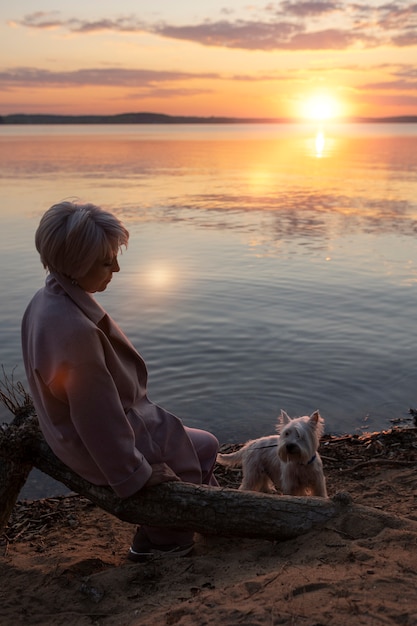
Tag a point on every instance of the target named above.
point(320, 107)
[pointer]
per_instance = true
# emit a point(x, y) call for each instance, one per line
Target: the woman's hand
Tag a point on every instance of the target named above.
point(161, 473)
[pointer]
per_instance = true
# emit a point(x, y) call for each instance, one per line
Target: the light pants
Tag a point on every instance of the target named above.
point(206, 447)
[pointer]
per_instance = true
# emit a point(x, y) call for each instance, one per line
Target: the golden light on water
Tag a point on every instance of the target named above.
point(159, 276)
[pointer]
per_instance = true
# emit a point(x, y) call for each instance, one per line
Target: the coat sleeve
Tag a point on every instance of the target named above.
point(83, 381)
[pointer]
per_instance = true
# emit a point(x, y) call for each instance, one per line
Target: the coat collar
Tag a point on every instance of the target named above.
point(84, 300)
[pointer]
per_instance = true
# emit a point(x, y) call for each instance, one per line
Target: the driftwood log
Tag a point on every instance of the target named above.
point(208, 510)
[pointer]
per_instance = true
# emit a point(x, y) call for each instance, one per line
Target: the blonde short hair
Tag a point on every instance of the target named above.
point(71, 237)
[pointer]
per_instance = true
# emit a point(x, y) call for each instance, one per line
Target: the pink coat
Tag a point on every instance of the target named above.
point(88, 384)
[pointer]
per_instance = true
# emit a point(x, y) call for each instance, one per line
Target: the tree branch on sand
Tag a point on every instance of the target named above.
point(209, 510)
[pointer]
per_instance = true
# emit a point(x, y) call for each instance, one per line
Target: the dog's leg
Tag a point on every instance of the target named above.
point(251, 480)
point(319, 489)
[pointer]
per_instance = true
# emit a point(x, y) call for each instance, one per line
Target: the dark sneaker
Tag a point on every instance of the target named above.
point(143, 550)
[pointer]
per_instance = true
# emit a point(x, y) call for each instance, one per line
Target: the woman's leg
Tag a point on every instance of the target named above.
point(206, 446)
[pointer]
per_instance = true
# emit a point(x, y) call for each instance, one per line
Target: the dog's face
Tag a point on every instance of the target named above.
point(299, 438)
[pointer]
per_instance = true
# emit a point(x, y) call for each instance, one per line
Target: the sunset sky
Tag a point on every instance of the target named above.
point(239, 58)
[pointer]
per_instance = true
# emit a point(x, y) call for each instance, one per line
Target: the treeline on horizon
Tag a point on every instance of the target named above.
point(161, 118)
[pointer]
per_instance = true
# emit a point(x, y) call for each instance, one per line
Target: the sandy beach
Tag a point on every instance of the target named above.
point(63, 560)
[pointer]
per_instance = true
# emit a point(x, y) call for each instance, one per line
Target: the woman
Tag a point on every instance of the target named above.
point(89, 383)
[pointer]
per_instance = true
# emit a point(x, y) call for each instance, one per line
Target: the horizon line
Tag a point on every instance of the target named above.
point(146, 117)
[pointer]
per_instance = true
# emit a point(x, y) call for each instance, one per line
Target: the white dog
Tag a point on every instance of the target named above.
point(289, 461)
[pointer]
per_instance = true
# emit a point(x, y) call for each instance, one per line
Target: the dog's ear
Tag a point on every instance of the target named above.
point(315, 417)
point(283, 419)
point(317, 422)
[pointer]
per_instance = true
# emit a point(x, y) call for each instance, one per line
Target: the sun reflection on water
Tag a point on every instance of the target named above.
point(321, 142)
point(159, 276)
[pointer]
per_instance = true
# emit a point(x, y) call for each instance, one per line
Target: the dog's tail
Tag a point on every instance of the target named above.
point(234, 459)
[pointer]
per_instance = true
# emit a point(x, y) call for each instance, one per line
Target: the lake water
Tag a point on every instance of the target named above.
point(268, 267)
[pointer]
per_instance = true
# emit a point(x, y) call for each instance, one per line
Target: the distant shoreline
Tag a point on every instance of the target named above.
point(160, 118)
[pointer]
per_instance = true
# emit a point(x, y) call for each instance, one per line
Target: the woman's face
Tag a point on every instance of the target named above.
point(99, 276)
